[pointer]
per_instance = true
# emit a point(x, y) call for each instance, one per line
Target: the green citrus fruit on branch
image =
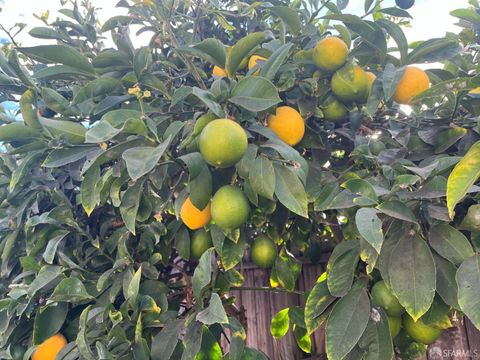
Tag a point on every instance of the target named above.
point(333, 110)
point(264, 252)
point(394, 325)
point(201, 241)
point(229, 207)
point(419, 331)
point(330, 54)
point(350, 84)
point(223, 142)
point(385, 298)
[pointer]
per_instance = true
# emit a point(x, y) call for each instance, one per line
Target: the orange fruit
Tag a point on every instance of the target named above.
point(264, 252)
point(223, 142)
point(350, 84)
point(475, 91)
point(334, 110)
point(49, 349)
point(413, 82)
point(230, 207)
point(419, 331)
point(192, 217)
point(218, 71)
point(288, 124)
point(253, 61)
point(330, 54)
point(201, 241)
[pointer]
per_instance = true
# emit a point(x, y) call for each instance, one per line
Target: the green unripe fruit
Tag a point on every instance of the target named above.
point(229, 207)
point(384, 297)
point(201, 241)
point(264, 252)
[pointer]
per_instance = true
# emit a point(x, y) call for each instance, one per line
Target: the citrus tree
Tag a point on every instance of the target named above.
point(142, 177)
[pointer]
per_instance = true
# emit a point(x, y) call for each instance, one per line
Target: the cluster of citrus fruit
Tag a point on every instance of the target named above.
point(398, 319)
point(222, 143)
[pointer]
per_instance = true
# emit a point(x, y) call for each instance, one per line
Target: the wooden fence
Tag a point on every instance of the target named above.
point(458, 343)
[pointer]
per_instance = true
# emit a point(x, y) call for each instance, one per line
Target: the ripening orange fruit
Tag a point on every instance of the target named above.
point(49, 349)
point(288, 124)
point(413, 82)
point(218, 71)
point(330, 54)
point(253, 61)
point(193, 217)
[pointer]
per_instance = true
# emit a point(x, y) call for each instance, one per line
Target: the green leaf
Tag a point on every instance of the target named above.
point(59, 54)
point(302, 338)
point(211, 50)
point(318, 300)
point(434, 50)
point(376, 340)
point(289, 16)
point(52, 245)
point(71, 290)
point(280, 323)
point(391, 78)
point(362, 188)
point(142, 160)
point(209, 100)
point(117, 21)
point(370, 227)
point(242, 48)
point(255, 93)
point(81, 341)
point(341, 267)
point(15, 132)
point(100, 87)
point(468, 281)
point(61, 157)
point(134, 286)
point(446, 283)
point(164, 343)
point(130, 203)
point(468, 15)
point(142, 61)
point(203, 273)
point(275, 61)
point(463, 176)
point(74, 132)
point(346, 323)
point(48, 321)
point(57, 102)
point(397, 210)
point(21, 171)
point(214, 313)
point(290, 191)
point(396, 32)
point(262, 177)
point(411, 259)
point(88, 194)
point(450, 243)
point(192, 340)
point(45, 276)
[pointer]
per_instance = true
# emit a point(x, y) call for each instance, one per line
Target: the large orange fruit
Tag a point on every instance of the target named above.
point(413, 82)
point(49, 349)
point(288, 124)
point(330, 54)
point(193, 217)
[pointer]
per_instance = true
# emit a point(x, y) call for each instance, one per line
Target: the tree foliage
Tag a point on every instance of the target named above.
point(93, 179)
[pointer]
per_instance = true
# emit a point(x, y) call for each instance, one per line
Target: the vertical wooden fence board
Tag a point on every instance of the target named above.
point(452, 344)
point(459, 343)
